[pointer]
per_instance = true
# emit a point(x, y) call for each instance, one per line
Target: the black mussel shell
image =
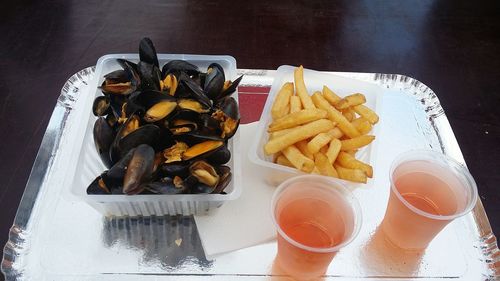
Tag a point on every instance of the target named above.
point(103, 138)
point(167, 185)
point(148, 134)
point(214, 81)
point(202, 149)
point(149, 75)
point(180, 169)
point(147, 52)
point(193, 105)
point(130, 125)
point(219, 157)
point(139, 169)
point(225, 175)
point(157, 105)
point(101, 106)
point(231, 89)
point(98, 187)
point(179, 66)
point(194, 91)
point(228, 115)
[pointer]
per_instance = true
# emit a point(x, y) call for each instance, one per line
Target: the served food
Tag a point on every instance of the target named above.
point(320, 133)
point(164, 131)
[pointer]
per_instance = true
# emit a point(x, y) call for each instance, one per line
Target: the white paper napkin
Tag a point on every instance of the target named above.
point(245, 221)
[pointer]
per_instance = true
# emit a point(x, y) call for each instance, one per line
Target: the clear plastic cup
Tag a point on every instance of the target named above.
point(315, 217)
point(428, 191)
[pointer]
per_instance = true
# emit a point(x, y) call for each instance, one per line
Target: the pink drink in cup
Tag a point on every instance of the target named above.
point(428, 191)
point(315, 217)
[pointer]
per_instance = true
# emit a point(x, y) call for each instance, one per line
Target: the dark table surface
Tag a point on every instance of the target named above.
point(451, 46)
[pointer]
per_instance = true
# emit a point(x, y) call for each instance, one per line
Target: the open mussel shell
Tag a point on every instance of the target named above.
point(101, 106)
point(202, 149)
point(139, 169)
point(157, 105)
point(193, 105)
point(148, 134)
point(195, 92)
point(179, 66)
point(214, 81)
point(228, 114)
point(103, 138)
point(147, 52)
point(230, 87)
point(183, 122)
point(129, 126)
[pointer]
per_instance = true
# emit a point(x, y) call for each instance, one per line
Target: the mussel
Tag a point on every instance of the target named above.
point(139, 169)
point(227, 113)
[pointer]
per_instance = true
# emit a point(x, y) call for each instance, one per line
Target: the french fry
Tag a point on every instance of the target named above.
point(334, 115)
point(333, 150)
point(349, 114)
point(299, 161)
point(352, 152)
point(282, 160)
point(279, 133)
point(350, 100)
point(297, 118)
point(297, 134)
point(295, 104)
point(276, 155)
point(324, 166)
point(301, 89)
point(354, 175)
point(356, 142)
point(367, 113)
point(330, 96)
point(348, 161)
point(335, 133)
point(302, 146)
point(282, 101)
point(318, 142)
point(324, 149)
point(362, 125)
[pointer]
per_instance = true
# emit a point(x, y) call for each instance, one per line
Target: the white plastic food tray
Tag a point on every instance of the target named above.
point(314, 81)
point(88, 165)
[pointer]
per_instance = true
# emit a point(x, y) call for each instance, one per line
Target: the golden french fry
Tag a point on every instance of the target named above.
point(324, 149)
point(335, 133)
point(350, 174)
point(348, 114)
point(324, 166)
point(281, 101)
point(297, 118)
point(362, 125)
point(318, 142)
point(348, 161)
point(330, 96)
point(282, 160)
point(350, 100)
point(356, 142)
point(295, 104)
point(297, 134)
point(301, 89)
point(302, 146)
point(315, 171)
point(279, 133)
point(367, 113)
point(352, 152)
point(333, 150)
point(299, 160)
point(334, 115)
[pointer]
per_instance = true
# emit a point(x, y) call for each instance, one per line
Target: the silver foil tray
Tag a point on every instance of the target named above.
point(55, 237)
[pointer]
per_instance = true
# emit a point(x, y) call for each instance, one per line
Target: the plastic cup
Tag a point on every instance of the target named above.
point(428, 191)
point(315, 217)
